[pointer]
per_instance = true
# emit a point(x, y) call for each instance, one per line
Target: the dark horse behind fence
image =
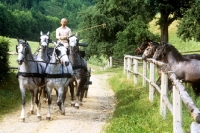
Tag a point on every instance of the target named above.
point(184, 68)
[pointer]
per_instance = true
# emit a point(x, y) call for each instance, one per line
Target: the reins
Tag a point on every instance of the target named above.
point(103, 25)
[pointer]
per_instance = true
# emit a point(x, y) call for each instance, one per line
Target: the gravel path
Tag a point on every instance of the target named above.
point(89, 118)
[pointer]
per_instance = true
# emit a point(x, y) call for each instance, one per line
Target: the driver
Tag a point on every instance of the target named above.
point(63, 32)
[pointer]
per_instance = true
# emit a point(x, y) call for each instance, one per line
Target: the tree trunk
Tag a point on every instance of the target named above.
point(164, 32)
point(164, 28)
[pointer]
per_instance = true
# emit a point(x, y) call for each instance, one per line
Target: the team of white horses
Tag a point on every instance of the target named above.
point(44, 72)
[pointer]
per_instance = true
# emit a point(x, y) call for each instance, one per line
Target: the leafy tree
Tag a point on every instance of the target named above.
point(134, 33)
point(117, 15)
point(7, 22)
point(169, 10)
point(189, 26)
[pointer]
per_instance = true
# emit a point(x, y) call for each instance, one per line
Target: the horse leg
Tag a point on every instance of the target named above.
point(71, 88)
point(23, 91)
point(37, 101)
point(60, 100)
point(49, 90)
point(44, 94)
point(32, 101)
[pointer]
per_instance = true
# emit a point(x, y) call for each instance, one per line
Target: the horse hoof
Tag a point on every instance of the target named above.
point(32, 111)
point(89, 82)
point(77, 107)
point(62, 113)
point(81, 104)
point(48, 118)
point(22, 119)
point(72, 105)
point(39, 117)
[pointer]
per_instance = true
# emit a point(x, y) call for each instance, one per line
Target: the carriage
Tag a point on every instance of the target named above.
point(52, 68)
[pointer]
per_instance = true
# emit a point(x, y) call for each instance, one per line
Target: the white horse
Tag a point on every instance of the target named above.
point(29, 76)
point(42, 57)
point(59, 72)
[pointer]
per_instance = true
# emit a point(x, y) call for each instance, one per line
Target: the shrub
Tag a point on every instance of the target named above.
point(4, 58)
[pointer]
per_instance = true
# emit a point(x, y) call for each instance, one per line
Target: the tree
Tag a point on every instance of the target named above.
point(169, 10)
point(127, 40)
point(7, 23)
point(189, 25)
point(117, 15)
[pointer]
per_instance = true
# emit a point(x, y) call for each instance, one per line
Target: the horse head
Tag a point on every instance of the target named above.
point(21, 49)
point(44, 39)
point(140, 49)
point(160, 51)
point(150, 50)
point(61, 54)
point(73, 41)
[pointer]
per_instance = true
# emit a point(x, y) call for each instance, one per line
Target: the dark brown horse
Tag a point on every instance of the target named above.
point(140, 49)
point(185, 68)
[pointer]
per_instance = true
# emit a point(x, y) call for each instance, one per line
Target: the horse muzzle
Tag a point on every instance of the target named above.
point(19, 62)
point(144, 57)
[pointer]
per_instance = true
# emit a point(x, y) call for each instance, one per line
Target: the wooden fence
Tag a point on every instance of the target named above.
point(180, 95)
point(113, 62)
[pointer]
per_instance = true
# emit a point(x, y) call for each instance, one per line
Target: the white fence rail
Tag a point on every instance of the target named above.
point(180, 95)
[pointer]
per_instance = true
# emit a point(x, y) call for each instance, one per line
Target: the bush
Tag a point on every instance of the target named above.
point(4, 58)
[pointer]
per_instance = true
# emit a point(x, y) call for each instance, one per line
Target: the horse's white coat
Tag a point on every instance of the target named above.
point(28, 65)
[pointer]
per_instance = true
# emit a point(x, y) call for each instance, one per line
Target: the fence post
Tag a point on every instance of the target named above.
point(135, 77)
point(177, 108)
point(110, 61)
point(144, 82)
point(129, 67)
point(151, 88)
point(164, 85)
point(125, 65)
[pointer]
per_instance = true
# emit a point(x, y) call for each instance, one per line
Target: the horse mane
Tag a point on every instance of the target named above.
point(177, 55)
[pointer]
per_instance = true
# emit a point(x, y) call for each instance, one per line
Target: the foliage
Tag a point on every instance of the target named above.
point(6, 21)
point(135, 32)
point(4, 63)
point(169, 11)
point(189, 27)
point(117, 15)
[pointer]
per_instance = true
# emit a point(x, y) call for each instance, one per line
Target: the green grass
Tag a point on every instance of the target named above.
point(134, 112)
point(10, 95)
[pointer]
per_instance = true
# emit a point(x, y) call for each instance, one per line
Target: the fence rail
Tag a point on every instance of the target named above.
point(179, 93)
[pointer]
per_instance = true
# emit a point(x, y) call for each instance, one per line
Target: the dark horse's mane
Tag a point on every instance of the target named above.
point(177, 55)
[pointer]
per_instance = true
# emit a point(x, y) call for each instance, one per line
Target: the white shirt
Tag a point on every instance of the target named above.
point(63, 32)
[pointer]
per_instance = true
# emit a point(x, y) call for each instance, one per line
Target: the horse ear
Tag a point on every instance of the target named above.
point(55, 43)
point(48, 33)
point(25, 39)
point(17, 39)
point(76, 34)
point(16, 49)
point(41, 33)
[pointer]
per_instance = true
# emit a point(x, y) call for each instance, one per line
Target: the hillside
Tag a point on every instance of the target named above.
point(173, 39)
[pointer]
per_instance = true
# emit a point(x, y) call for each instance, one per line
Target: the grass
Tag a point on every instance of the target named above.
point(10, 95)
point(134, 112)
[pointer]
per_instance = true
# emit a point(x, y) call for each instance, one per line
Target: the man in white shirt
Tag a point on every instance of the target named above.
point(63, 32)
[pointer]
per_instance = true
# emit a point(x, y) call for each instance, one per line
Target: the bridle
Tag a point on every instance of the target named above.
point(56, 53)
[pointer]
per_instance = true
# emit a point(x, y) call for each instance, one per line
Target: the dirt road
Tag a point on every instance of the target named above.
point(89, 118)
